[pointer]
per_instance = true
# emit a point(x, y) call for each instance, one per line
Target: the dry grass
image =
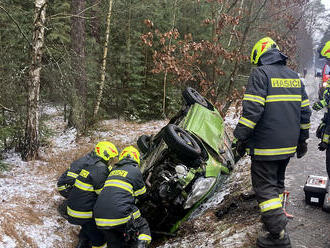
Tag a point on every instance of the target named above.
point(39, 205)
point(22, 216)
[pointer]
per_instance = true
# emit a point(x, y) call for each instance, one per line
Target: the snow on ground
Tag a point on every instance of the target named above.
point(28, 196)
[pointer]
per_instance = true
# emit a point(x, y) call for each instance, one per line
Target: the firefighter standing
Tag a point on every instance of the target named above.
point(274, 126)
point(115, 211)
point(323, 131)
point(82, 197)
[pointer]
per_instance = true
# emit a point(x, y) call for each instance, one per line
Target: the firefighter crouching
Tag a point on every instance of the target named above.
point(115, 211)
point(67, 179)
point(82, 197)
point(274, 126)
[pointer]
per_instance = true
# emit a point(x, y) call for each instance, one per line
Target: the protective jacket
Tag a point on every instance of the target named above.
point(87, 187)
point(67, 179)
point(276, 113)
point(116, 204)
point(325, 122)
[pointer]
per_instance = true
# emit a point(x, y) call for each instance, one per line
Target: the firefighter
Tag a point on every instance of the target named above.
point(115, 211)
point(323, 131)
point(273, 127)
point(82, 197)
point(66, 181)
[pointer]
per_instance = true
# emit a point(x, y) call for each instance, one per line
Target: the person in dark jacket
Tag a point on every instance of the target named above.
point(273, 127)
point(115, 211)
point(82, 197)
point(323, 132)
point(66, 181)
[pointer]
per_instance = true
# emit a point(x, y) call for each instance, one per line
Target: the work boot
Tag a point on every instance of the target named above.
point(83, 243)
point(142, 244)
point(280, 240)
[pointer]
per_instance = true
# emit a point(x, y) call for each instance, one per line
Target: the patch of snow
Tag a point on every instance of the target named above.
point(8, 242)
point(231, 118)
point(47, 109)
point(233, 240)
point(204, 240)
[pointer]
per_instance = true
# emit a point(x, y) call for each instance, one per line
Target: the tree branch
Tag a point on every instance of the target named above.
point(77, 15)
point(6, 109)
point(16, 23)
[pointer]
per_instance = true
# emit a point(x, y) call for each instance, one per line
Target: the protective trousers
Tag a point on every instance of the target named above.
point(90, 232)
point(268, 184)
point(328, 160)
point(116, 236)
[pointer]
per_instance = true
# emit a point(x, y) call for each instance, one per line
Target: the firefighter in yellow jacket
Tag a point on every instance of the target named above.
point(82, 197)
point(115, 211)
point(273, 127)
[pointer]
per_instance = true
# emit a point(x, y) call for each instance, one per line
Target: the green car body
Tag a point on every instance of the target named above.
point(206, 125)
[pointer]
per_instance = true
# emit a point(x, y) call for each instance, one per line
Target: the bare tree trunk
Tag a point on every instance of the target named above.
point(165, 75)
point(31, 144)
point(77, 116)
point(104, 61)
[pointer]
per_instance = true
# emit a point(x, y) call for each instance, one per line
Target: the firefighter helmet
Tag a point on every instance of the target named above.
point(262, 46)
point(131, 153)
point(106, 150)
point(325, 52)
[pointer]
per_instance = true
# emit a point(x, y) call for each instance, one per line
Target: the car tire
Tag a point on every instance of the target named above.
point(143, 143)
point(192, 96)
point(181, 142)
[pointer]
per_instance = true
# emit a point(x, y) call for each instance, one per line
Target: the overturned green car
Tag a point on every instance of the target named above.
point(184, 163)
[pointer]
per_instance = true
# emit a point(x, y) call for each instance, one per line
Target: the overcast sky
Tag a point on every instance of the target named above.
point(326, 3)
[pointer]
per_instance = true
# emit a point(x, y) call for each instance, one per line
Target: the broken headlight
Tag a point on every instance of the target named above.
point(199, 189)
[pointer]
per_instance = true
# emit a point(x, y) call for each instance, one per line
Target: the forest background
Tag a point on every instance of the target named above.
point(102, 59)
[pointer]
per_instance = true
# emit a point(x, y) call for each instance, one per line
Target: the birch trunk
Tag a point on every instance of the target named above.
point(32, 124)
point(104, 61)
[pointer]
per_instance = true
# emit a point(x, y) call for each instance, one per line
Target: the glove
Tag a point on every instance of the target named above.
point(318, 105)
point(323, 146)
point(238, 148)
point(301, 149)
point(320, 130)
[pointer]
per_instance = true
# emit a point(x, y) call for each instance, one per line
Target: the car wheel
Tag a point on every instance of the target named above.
point(181, 142)
point(143, 143)
point(192, 96)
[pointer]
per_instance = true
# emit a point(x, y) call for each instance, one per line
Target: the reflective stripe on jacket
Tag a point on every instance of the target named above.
point(276, 113)
point(116, 203)
point(86, 188)
point(67, 179)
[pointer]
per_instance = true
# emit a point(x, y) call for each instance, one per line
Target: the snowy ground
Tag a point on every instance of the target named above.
point(28, 195)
